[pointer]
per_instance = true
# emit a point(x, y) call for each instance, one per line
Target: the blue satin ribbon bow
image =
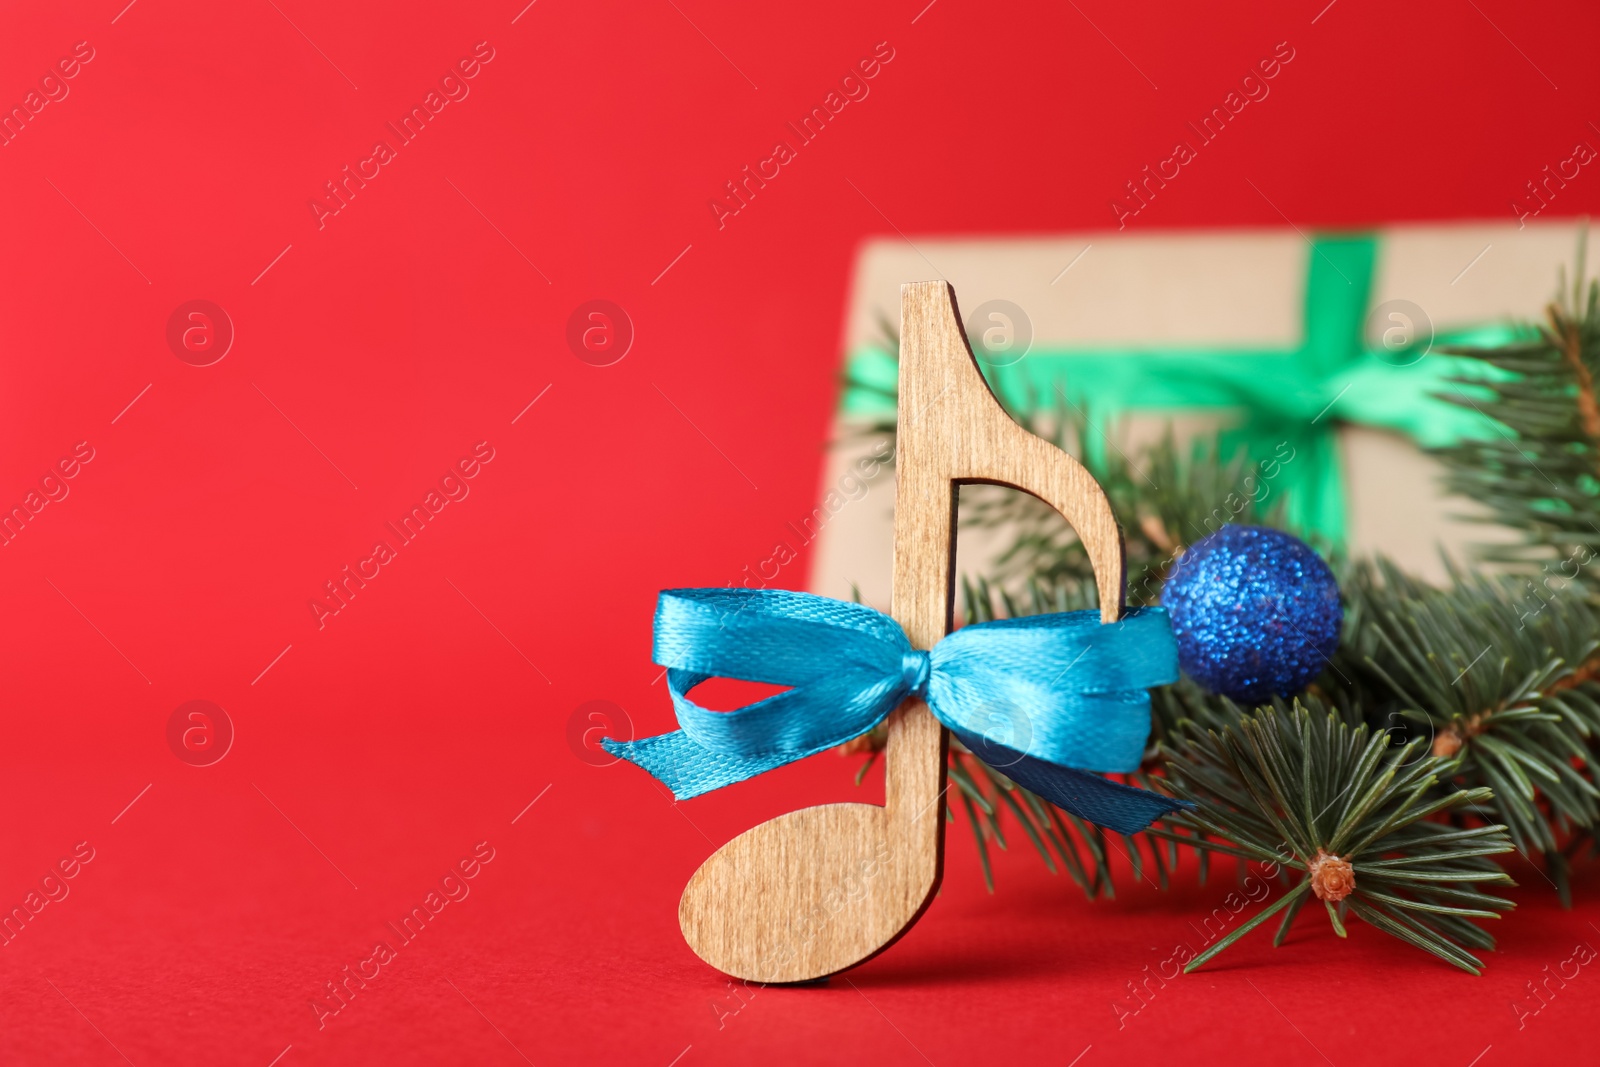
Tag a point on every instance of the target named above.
point(1044, 699)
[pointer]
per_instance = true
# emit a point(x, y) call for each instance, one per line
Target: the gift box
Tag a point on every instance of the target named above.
point(1323, 351)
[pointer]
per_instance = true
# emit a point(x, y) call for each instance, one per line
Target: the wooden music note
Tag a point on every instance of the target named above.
point(821, 889)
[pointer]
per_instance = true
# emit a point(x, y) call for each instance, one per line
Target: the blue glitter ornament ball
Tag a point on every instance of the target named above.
point(1256, 613)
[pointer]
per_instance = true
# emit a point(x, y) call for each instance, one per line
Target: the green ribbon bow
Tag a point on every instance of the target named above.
point(1293, 396)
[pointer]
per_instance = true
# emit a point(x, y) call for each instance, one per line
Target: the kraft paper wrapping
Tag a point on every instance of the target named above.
point(1221, 287)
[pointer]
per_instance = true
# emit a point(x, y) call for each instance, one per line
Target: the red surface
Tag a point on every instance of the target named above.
point(378, 750)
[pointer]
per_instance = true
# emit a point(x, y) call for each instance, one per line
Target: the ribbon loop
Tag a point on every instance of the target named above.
point(1044, 699)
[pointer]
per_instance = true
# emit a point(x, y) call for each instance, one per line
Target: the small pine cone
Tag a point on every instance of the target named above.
point(1332, 878)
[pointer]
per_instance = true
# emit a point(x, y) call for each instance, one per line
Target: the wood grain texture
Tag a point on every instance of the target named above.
point(824, 888)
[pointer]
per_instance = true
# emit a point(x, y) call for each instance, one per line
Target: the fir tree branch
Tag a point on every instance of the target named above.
point(1383, 856)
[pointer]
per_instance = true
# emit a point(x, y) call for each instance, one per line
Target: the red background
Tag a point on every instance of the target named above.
point(378, 750)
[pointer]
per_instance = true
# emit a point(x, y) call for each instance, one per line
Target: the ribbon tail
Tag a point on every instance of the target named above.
point(689, 769)
point(1103, 802)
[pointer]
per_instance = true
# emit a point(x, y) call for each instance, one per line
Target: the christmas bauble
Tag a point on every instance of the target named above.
point(1256, 613)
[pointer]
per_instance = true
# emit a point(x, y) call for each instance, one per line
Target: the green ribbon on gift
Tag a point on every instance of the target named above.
point(1285, 396)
